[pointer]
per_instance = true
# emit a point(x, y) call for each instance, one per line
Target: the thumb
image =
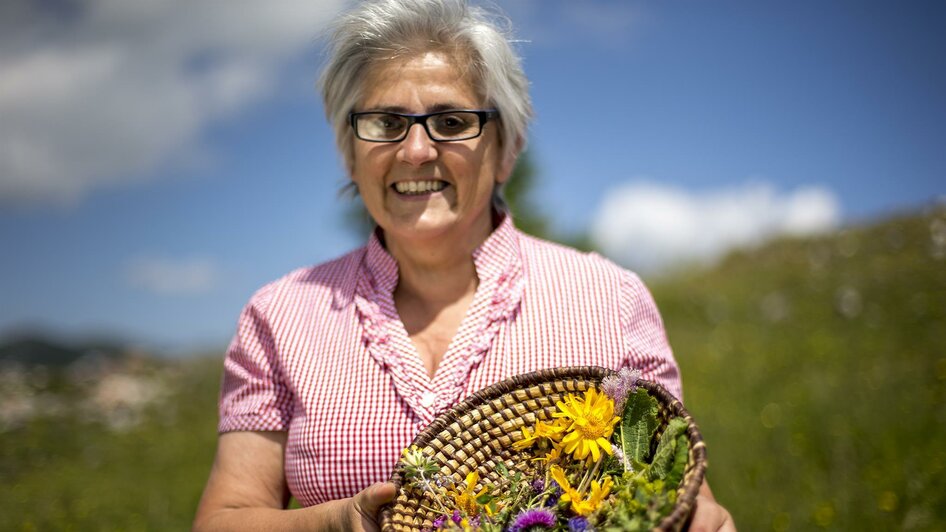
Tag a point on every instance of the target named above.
point(372, 498)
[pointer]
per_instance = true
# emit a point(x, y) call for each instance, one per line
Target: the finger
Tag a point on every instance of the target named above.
point(372, 498)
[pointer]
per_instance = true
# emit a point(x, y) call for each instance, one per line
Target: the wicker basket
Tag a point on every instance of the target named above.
point(479, 432)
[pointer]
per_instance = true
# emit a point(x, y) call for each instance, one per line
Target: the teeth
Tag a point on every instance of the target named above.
point(419, 187)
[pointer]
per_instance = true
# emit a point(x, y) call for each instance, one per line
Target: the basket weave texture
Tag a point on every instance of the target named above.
point(479, 432)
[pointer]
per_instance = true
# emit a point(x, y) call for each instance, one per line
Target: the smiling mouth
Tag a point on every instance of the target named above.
point(417, 188)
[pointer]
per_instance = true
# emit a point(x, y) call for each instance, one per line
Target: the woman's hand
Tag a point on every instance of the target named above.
point(247, 491)
point(708, 515)
point(363, 508)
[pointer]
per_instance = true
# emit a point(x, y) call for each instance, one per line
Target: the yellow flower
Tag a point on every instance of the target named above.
point(554, 454)
point(558, 475)
point(580, 505)
point(528, 438)
point(553, 431)
point(466, 500)
point(590, 422)
point(584, 507)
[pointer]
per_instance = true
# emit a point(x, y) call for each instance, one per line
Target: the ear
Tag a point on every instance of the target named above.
point(508, 162)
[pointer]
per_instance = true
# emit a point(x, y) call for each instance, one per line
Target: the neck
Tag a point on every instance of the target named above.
point(438, 271)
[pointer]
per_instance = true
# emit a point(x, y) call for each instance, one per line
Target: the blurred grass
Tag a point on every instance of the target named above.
point(815, 368)
point(69, 473)
point(817, 372)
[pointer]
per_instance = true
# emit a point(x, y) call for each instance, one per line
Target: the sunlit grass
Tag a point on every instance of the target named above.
point(817, 372)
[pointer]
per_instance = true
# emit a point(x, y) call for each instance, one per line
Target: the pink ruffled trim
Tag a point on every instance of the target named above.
point(377, 337)
point(506, 293)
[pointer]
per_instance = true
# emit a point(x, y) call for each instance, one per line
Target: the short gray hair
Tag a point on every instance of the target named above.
point(385, 29)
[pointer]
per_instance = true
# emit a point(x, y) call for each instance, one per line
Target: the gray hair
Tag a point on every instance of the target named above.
point(384, 29)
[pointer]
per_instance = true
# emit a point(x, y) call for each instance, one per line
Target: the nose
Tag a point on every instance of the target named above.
point(417, 148)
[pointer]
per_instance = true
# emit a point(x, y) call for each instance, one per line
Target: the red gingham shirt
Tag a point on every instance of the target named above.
point(321, 353)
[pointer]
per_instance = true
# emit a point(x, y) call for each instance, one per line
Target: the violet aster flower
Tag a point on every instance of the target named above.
point(629, 377)
point(555, 495)
point(538, 485)
point(456, 517)
point(618, 387)
point(438, 522)
point(578, 524)
point(530, 519)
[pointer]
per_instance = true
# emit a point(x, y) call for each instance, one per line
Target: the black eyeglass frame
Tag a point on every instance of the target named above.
point(483, 115)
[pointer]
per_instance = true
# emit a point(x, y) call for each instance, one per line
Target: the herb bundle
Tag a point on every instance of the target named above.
point(593, 468)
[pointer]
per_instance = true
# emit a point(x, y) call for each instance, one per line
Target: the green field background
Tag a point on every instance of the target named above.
point(815, 369)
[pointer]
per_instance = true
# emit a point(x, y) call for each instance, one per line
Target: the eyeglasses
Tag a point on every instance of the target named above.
point(445, 126)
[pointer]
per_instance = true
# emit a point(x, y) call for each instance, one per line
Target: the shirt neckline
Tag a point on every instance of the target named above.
point(499, 269)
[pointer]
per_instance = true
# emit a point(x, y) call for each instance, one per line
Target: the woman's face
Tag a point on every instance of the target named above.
point(466, 170)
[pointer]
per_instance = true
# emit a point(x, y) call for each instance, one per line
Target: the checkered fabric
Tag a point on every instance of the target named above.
point(322, 354)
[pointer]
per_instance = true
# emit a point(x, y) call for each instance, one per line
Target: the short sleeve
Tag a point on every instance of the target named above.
point(645, 339)
point(254, 395)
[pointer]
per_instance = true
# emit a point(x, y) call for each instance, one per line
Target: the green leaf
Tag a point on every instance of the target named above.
point(501, 468)
point(638, 424)
point(666, 451)
point(680, 459)
point(485, 498)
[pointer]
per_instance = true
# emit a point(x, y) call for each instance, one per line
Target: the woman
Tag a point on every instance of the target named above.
point(335, 368)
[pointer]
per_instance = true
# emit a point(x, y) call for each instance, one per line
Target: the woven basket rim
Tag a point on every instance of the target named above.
point(686, 493)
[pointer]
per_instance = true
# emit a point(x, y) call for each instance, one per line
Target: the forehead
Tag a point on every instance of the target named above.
point(418, 83)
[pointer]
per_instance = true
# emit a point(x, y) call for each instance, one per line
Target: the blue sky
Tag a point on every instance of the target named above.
point(157, 165)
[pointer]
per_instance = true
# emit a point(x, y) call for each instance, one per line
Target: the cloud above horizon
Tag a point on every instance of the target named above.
point(650, 227)
point(167, 276)
point(106, 91)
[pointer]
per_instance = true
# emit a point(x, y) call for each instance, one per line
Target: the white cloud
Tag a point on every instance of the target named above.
point(107, 91)
point(173, 276)
point(650, 227)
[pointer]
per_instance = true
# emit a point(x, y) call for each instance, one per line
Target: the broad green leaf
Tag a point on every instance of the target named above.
point(667, 449)
point(680, 458)
point(638, 423)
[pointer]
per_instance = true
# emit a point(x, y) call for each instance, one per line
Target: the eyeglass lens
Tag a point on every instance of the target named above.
point(458, 125)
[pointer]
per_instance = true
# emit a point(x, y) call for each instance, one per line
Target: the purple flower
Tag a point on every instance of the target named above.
point(578, 524)
point(438, 522)
point(618, 387)
point(456, 517)
point(629, 377)
point(536, 517)
point(538, 485)
point(555, 495)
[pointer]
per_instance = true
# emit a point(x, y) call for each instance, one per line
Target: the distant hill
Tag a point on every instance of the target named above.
point(35, 349)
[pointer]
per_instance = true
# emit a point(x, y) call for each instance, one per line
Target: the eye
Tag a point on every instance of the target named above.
point(388, 122)
point(380, 126)
point(453, 122)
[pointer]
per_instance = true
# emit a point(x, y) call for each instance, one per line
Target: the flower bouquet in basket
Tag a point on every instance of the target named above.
point(573, 449)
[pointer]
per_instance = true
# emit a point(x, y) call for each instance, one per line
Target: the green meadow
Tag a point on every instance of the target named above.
point(814, 367)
